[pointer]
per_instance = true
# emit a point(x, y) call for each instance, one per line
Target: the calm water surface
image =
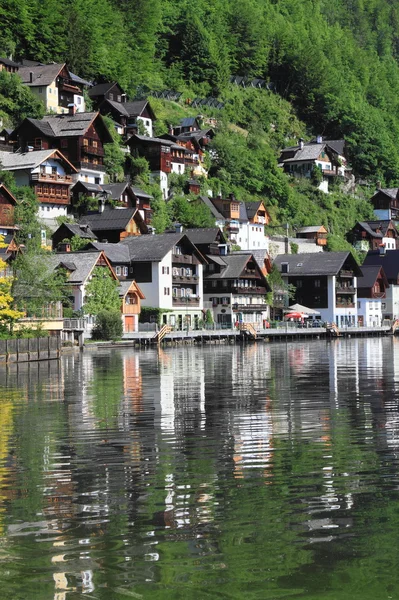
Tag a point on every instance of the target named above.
point(259, 472)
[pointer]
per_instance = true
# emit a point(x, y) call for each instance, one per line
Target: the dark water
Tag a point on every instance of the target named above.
point(264, 472)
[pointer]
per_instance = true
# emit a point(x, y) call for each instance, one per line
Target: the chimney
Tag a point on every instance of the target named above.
point(30, 76)
point(378, 185)
point(301, 143)
point(319, 139)
point(101, 205)
point(170, 129)
point(71, 109)
point(178, 228)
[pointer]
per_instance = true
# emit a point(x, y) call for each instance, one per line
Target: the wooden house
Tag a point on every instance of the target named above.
point(157, 151)
point(386, 204)
point(372, 288)
point(370, 235)
point(8, 65)
point(115, 224)
point(7, 209)
point(131, 296)
point(66, 231)
point(317, 233)
point(79, 136)
point(54, 86)
point(106, 91)
point(48, 172)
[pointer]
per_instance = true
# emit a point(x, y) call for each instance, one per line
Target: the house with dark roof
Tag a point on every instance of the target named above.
point(8, 65)
point(389, 261)
point(66, 231)
point(372, 289)
point(235, 289)
point(386, 204)
point(371, 235)
point(54, 86)
point(326, 282)
point(318, 233)
point(208, 240)
point(49, 173)
point(244, 222)
point(110, 90)
point(79, 136)
point(113, 224)
point(169, 270)
point(7, 207)
point(157, 152)
point(301, 160)
point(187, 125)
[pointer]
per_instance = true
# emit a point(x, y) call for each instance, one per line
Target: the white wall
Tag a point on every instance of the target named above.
point(51, 211)
point(251, 236)
point(177, 168)
point(90, 176)
point(391, 302)
point(79, 102)
point(163, 182)
point(147, 124)
point(370, 310)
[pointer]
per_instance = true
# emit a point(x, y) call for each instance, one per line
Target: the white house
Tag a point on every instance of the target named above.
point(326, 282)
point(371, 295)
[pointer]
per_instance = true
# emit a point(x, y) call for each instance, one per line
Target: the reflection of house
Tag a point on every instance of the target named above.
point(386, 203)
point(325, 282)
point(318, 234)
point(326, 155)
point(114, 224)
point(370, 235)
point(371, 293)
point(236, 288)
point(54, 86)
point(7, 207)
point(48, 172)
point(79, 136)
point(389, 261)
point(244, 222)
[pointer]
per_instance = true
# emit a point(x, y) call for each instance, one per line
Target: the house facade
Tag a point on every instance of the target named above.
point(114, 224)
point(318, 234)
point(370, 235)
point(7, 211)
point(372, 289)
point(54, 86)
point(389, 261)
point(49, 173)
point(158, 154)
point(386, 204)
point(326, 282)
point(79, 137)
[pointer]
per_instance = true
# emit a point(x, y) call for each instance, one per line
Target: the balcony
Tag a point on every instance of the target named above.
point(248, 307)
point(342, 289)
point(51, 177)
point(184, 278)
point(345, 305)
point(247, 290)
point(186, 259)
point(186, 302)
point(99, 151)
point(91, 166)
point(53, 199)
point(345, 274)
point(69, 87)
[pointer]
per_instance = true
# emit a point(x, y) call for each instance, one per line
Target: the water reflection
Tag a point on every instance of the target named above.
point(187, 472)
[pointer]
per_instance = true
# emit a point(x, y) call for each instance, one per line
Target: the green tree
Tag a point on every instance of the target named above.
point(108, 325)
point(101, 293)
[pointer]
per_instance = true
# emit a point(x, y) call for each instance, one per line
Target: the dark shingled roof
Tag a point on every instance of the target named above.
point(252, 208)
point(390, 192)
point(67, 125)
point(78, 230)
point(90, 187)
point(320, 263)
point(101, 88)
point(41, 74)
point(8, 62)
point(370, 274)
point(389, 261)
point(116, 253)
point(82, 263)
point(146, 248)
point(140, 193)
point(212, 208)
point(206, 235)
point(235, 264)
point(115, 189)
point(372, 226)
point(110, 218)
point(188, 122)
point(153, 140)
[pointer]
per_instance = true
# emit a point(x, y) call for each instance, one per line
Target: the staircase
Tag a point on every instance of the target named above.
point(249, 330)
point(158, 337)
point(395, 326)
point(333, 330)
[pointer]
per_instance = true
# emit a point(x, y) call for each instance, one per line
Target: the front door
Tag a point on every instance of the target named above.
point(129, 324)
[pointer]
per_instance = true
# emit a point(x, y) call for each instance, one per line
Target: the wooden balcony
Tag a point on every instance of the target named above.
point(99, 151)
point(341, 289)
point(53, 199)
point(51, 177)
point(185, 278)
point(345, 304)
point(91, 166)
point(186, 302)
point(131, 309)
point(186, 259)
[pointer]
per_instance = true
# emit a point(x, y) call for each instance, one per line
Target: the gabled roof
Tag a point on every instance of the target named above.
point(311, 229)
point(208, 202)
point(111, 219)
point(116, 253)
point(372, 226)
point(235, 265)
point(102, 88)
point(78, 79)
point(370, 275)
point(308, 152)
point(6, 192)
point(140, 193)
point(320, 263)
point(389, 261)
point(130, 109)
point(147, 248)
point(9, 63)
point(66, 125)
point(90, 187)
point(252, 208)
point(260, 255)
point(149, 140)
point(206, 235)
point(42, 75)
point(15, 161)
point(127, 286)
point(118, 106)
point(80, 231)
point(84, 262)
point(115, 190)
point(390, 192)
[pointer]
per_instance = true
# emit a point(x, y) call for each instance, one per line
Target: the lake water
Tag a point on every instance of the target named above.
point(223, 472)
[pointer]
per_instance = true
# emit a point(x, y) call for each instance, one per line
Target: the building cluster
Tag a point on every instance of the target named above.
point(184, 274)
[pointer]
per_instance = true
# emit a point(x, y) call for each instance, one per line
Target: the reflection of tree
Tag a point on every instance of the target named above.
point(106, 390)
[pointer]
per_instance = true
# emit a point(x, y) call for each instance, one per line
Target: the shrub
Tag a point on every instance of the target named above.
point(108, 326)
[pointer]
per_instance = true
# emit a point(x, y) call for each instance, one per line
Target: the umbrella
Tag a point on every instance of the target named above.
point(295, 315)
point(303, 309)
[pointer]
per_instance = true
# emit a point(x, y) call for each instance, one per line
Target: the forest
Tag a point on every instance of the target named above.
point(333, 69)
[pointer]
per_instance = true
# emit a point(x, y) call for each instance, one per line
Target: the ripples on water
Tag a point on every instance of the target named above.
point(258, 472)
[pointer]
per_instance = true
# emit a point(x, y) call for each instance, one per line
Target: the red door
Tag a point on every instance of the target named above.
point(129, 324)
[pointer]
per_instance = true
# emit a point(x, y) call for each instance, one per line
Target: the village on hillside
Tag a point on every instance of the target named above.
point(244, 269)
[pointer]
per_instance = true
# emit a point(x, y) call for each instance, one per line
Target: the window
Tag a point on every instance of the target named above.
point(42, 169)
point(38, 189)
point(317, 283)
point(85, 142)
point(214, 284)
point(165, 270)
point(383, 305)
point(188, 272)
point(95, 144)
point(38, 142)
point(64, 191)
point(111, 96)
point(178, 250)
point(125, 271)
point(119, 98)
point(78, 100)
point(64, 143)
point(118, 270)
point(54, 170)
point(50, 91)
point(166, 291)
point(45, 190)
point(40, 90)
point(58, 191)
point(174, 292)
point(182, 293)
point(95, 160)
point(131, 269)
point(175, 272)
point(52, 191)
